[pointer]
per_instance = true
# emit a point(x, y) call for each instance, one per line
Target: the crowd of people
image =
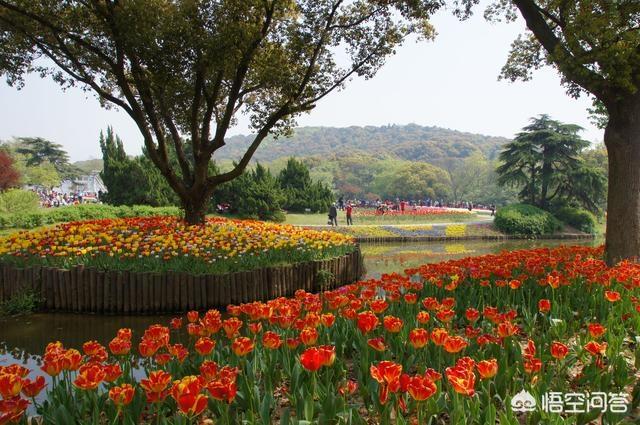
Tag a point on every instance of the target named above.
point(51, 198)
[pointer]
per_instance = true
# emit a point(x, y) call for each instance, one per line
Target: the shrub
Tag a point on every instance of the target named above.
point(581, 219)
point(22, 302)
point(523, 219)
point(17, 201)
point(43, 217)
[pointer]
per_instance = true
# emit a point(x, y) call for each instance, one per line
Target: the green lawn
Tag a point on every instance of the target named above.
point(321, 219)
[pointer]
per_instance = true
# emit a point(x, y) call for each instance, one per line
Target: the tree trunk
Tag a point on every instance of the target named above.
point(195, 209)
point(622, 138)
point(545, 179)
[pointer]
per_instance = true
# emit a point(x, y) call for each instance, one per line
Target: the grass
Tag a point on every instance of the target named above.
point(321, 219)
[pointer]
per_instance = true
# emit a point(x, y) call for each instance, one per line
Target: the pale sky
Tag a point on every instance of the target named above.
point(451, 83)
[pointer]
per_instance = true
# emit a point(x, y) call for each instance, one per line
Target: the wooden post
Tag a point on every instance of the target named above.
point(146, 296)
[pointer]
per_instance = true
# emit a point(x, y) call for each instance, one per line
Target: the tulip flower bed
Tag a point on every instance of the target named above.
point(452, 346)
point(410, 215)
point(167, 243)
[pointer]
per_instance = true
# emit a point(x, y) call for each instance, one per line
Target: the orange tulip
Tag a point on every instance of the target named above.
point(423, 317)
point(231, 326)
point(462, 380)
point(472, 314)
point(31, 388)
point(487, 368)
point(71, 359)
point(327, 354)
point(418, 337)
point(224, 388)
point(507, 329)
point(124, 333)
point(388, 376)
point(95, 350)
point(192, 316)
point(52, 367)
point(176, 323)
point(378, 306)
point(112, 372)
point(559, 350)
point(367, 321)
point(421, 388)
point(242, 346)
point(532, 365)
point(612, 296)
point(204, 346)
point(208, 370)
point(327, 319)
point(596, 330)
point(12, 409)
point(271, 340)
point(186, 393)
point(89, 377)
point(155, 386)
point(309, 336)
point(439, 336)
point(595, 348)
point(349, 387)
point(122, 395)
point(392, 324)
point(10, 385)
point(377, 344)
point(120, 346)
point(455, 344)
point(544, 306)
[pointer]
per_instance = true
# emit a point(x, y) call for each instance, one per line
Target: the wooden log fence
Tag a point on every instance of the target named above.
point(88, 290)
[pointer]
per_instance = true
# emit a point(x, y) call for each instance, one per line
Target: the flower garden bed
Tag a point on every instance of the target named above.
point(158, 264)
point(452, 342)
point(436, 232)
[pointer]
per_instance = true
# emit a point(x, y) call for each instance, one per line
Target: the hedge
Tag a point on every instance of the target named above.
point(581, 219)
point(523, 219)
point(46, 216)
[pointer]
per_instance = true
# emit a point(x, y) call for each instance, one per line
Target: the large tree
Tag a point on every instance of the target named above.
point(184, 69)
point(541, 157)
point(595, 45)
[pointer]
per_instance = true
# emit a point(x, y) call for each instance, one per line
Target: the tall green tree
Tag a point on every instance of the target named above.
point(544, 160)
point(595, 45)
point(184, 69)
point(300, 191)
point(38, 151)
point(131, 181)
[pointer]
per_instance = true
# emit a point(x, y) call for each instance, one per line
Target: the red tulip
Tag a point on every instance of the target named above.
point(559, 350)
point(367, 321)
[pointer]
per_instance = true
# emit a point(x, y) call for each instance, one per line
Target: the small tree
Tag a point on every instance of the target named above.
point(184, 69)
point(9, 176)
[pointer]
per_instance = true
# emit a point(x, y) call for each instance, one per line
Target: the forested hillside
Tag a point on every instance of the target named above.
point(411, 142)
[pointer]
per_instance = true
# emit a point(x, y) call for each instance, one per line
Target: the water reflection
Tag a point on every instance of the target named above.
point(388, 258)
point(23, 339)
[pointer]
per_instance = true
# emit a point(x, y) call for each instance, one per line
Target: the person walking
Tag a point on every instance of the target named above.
point(349, 210)
point(333, 215)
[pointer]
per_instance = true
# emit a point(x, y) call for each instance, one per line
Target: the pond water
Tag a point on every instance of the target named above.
point(22, 339)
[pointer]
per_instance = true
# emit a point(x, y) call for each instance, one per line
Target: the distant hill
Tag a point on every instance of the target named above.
point(411, 142)
point(89, 165)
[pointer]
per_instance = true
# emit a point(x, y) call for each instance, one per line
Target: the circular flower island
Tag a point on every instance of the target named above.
point(161, 264)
